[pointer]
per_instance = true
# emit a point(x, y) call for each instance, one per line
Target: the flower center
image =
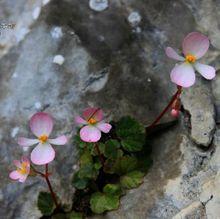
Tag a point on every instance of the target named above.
point(43, 139)
point(190, 58)
point(92, 121)
point(23, 169)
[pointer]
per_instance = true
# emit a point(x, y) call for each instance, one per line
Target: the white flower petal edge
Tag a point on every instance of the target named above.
point(206, 71)
point(183, 75)
point(171, 53)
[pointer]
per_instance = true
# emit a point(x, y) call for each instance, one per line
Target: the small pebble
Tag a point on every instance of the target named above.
point(138, 30)
point(37, 105)
point(15, 75)
point(25, 149)
point(75, 167)
point(36, 13)
point(14, 132)
point(58, 59)
point(102, 38)
point(134, 18)
point(98, 5)
point(149, 80)
point(56, 32)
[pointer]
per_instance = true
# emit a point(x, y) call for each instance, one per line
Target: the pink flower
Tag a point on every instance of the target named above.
point(92, 119)
point(195, 45)
point(41, 125)
point(23, 170)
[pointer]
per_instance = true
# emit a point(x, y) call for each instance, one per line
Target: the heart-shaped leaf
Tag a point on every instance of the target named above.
point(85, 157)
point(45, 203)
point(101, 202)
point(125, 164)
point(131, 133)
point(132, 179)
point(111, 149)
point(88, 171)
point(79, 183)
point(113, 189)
point(132, 145)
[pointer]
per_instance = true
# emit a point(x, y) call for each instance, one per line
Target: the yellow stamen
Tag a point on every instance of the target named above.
point(23, 168)
point(43, 139)
point(92, 121)
point(190, 58)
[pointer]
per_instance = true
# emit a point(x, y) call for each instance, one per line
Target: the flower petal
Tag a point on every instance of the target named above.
point(42, 154)
point(17, 163)
point(27, 142)
point(41, 124)
point(23, 178)
point(15, 175)
point(95, 113)
point(90, 134)
point(59, 140)
point(104, 127)
point(195, 44)
point(183, 75)
point(171, 53)
point(206, 71)
point(80, 120)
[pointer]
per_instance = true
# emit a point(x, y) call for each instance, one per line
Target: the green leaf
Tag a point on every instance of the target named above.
point(45, 203)
point(125, 164)
point(81, 144)
point(111, 149)
point(79, 183)
point(113, 143)
point(131, 133)
point(88, 171)
point(101, 149)
point(113, 189)
point(132, 179)
point(128, 126)
point(85, 158)
point(109, 166)
point(97, 165)
point(132, 145)
point(74, 215)
point(101, 202)
point(120, 166)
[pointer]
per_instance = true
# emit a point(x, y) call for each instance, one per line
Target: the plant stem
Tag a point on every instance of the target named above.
point(175, 96)
point(46, 176)
point(99, 154)
point(37, 172)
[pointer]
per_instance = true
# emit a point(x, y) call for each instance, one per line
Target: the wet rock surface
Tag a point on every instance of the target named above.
point(122, 68)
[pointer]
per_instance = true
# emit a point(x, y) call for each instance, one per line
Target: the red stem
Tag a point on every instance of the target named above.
point(50, 187)
point(38, 172)
point(175, 96)
point(46, 176)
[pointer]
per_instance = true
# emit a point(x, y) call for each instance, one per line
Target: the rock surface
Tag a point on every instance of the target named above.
point(123, 69)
